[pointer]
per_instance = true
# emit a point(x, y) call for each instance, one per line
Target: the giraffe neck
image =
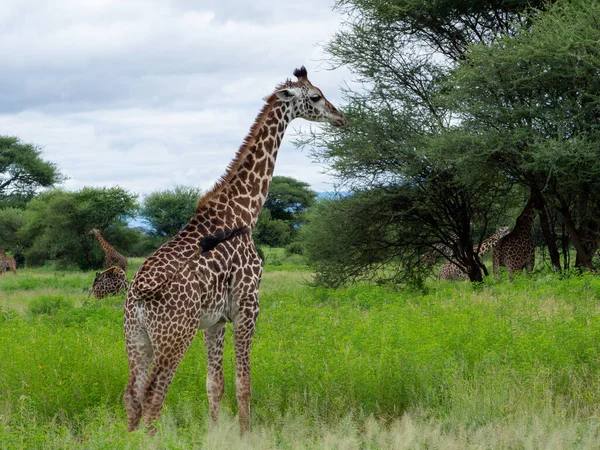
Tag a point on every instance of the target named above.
point(526, 218)
point(243, 189)
point(489, 244)
point(104, 244)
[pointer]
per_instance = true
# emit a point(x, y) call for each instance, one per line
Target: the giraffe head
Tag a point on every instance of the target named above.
point(307, 101)
point(502, 231)
point(94, 231)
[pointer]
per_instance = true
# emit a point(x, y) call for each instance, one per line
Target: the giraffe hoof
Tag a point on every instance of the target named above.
point(152, 431)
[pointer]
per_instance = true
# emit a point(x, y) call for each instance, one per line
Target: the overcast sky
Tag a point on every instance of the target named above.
point(150, 94)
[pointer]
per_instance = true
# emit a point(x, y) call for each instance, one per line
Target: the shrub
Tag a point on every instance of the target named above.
point(295, 248)
point(48, 304)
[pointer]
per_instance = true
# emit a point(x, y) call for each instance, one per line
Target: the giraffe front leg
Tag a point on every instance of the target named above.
point(244, 325)
point(214, 338)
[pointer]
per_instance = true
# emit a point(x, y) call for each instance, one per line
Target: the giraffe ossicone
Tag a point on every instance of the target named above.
point(209, 273)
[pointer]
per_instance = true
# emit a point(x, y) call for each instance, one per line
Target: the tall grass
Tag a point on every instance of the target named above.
point(504, 365)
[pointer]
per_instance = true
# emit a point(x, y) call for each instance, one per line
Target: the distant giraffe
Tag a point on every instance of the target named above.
point(7, 263)
point(111, 256)
point(516, 251)
point(452, 271)
point(111, 281)
point(185, 286)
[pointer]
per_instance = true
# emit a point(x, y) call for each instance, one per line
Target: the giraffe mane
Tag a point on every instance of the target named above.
point(244, 150)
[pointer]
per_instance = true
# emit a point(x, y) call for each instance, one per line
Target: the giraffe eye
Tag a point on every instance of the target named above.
point(315, 98)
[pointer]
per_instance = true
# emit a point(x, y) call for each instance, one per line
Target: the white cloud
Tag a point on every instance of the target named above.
point(147, 95)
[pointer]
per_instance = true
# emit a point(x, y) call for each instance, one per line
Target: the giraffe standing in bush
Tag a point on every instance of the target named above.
point(185, 286)
point(516, 251)
point(111, 256)
point(452, 271)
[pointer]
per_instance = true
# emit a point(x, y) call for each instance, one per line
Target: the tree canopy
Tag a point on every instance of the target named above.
point(58, 222)
point(169, 210)
point(401, 138)
point(533, 100)
point(284, 211)
point(23, 171)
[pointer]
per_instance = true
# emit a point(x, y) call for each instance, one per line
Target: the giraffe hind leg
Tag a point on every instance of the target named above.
point(139, 354)
point(167, 356)
point(214, 338)
point(530, 263)
point(244, 325)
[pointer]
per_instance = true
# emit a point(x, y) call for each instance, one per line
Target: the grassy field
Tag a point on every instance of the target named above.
point(503, 365)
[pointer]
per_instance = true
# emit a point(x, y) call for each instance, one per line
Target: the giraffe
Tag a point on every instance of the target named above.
point(111, 256)
point(452, 271)
point(185, 286)
point(516, 249)
point(7, 263)
point(111, 281)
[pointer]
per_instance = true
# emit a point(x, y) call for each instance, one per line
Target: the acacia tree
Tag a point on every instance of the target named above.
point(533, 98)
point(400, 135)
point(168, 211)
point(284, 211)
point(23, 171)
point(288, 199)
point(57, 225)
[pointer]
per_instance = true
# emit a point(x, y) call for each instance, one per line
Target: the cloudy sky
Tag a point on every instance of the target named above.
point(150, 94)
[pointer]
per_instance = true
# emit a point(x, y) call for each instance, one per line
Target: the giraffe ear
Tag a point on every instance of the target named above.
point(287, 94)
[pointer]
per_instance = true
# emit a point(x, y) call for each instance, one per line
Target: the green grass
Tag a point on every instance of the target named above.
point(504, 365)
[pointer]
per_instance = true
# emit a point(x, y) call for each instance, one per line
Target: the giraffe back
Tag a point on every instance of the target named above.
point(111, 281)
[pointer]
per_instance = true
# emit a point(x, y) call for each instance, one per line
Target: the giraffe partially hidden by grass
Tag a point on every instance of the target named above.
point(452, 271)
point(111, 281)
point(111, 256)
point(185, 286)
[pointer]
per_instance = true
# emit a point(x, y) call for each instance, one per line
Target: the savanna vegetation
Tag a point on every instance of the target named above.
point(462, 111)
point(507, 365)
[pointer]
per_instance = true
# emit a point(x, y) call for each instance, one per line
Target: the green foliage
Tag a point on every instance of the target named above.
point(48, 304)
point(295, 248)
point(271, 232)
point(58, 223)
point(11, 221)
point(288, 199)
point(401, 145)
point(23, 171)
point(168, 211)
point(532, 101)
point(284, 212)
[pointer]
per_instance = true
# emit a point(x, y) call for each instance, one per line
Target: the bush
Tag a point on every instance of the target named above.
point(295, 248)
point(49, 305)
point(271, 232)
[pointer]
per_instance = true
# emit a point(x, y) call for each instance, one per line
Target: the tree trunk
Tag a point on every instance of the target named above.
point(549, 235)
point(475, 273)
point(582, 259)
point(565, 247)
